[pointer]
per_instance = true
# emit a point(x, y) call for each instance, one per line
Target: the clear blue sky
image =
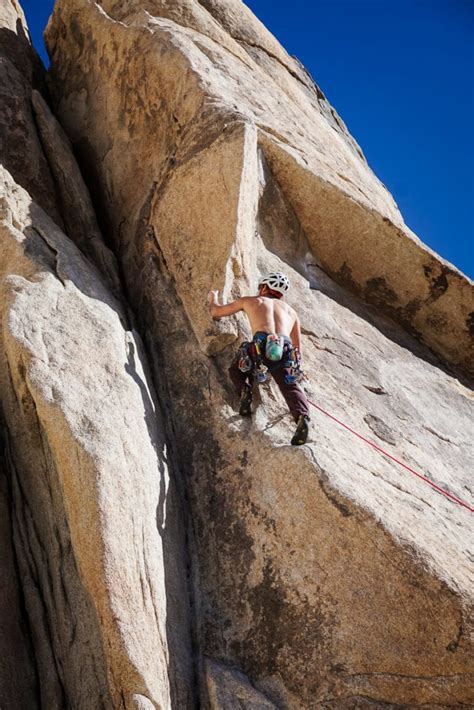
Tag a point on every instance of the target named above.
point(401, 75)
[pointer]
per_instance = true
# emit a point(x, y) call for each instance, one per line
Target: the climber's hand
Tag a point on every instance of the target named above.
point(213, 298)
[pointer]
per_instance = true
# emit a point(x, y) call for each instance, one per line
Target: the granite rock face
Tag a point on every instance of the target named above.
point(160, 551)
point(88, 474)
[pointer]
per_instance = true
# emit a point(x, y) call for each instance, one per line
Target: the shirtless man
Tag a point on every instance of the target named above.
point(268, 314)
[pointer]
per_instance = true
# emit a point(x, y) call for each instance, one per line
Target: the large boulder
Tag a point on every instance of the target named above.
point(329, 575)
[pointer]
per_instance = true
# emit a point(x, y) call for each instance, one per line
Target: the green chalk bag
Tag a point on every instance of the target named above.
point(274, 347)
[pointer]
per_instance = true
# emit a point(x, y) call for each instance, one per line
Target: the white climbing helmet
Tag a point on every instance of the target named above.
point(276, 281)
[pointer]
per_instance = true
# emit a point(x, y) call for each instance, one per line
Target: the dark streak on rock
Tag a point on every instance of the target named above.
point(453, 646)
point(470, 323)
point(378, 292)
point(342, 508)
point(277, 631)
point(344, 277)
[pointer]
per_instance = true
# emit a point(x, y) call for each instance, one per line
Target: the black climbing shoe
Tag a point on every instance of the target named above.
point(245, 409)
point(301, 433)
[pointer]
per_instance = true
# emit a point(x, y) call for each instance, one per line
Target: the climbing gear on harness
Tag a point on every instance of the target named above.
point(292, 364)
point(302, 430)
point(260, 370)
point(276, 281)
point(245, 408)
point(245, 361)
point(250, 358)
point(261, 374)
point(274, 347)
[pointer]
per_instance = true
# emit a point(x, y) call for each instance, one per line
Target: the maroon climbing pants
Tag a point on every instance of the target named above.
point(293, 394)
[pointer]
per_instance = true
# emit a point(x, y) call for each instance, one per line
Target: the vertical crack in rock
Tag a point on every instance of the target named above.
point(76, 206)
point(20, 149)
point(55, 253)
point(19, 683)
point(185, 680)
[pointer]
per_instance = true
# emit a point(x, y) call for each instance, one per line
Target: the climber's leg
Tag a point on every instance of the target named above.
point(297, 404)
point(293, 394)
point(243, 385)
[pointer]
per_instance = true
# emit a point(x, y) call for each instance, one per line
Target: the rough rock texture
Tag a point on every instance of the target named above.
point(326, 576)
point(160, 552)
point(228, 688)
point(89, 476)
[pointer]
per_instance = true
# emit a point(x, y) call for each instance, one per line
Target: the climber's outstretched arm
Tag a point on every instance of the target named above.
point(217, 311)
point(295, 335)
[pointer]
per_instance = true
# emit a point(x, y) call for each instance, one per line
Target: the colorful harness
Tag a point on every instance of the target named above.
point(254, 354)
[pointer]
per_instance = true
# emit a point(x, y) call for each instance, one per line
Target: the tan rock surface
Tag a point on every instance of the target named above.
point(97, 530)
point(328, 576)
point(229, 688)
point(325, 576)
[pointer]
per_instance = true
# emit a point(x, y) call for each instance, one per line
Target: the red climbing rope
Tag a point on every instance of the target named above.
point(400, 463)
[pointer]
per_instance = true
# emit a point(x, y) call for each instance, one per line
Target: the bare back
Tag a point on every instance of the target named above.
point(269, 315)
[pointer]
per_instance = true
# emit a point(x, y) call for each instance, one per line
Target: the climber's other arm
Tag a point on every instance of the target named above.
point(295, 335)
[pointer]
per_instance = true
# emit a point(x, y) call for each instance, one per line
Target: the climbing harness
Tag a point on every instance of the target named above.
point(448, 495)
point(245, 359)
point(251, 360)
point(277, 351)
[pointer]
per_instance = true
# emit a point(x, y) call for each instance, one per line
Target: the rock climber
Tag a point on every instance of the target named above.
point(275, 348)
